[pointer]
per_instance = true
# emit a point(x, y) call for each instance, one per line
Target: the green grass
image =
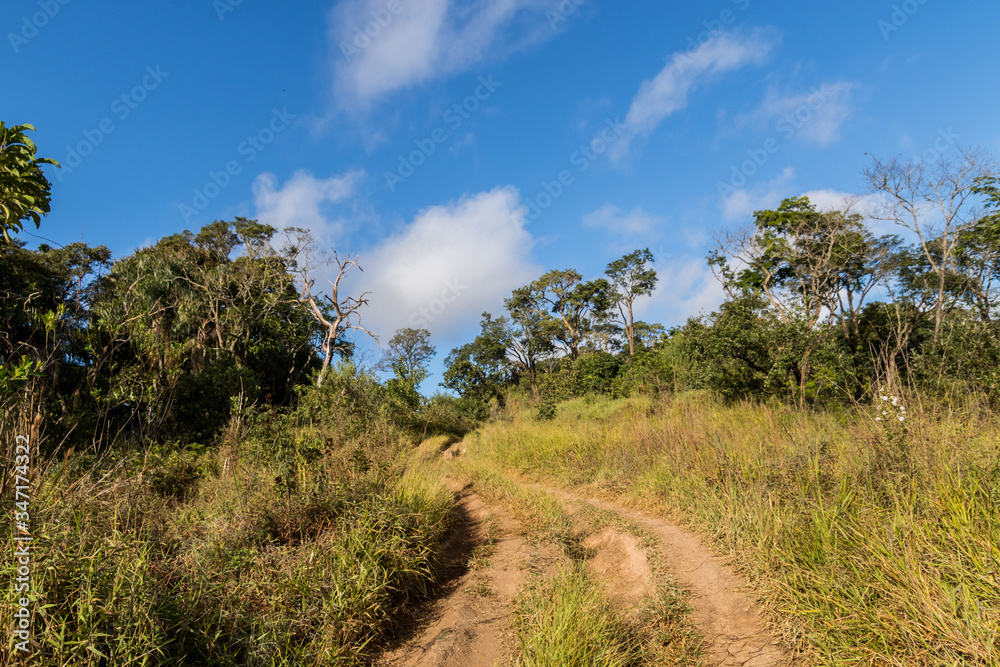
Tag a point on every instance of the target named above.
point(871, 546)
point(566, 621)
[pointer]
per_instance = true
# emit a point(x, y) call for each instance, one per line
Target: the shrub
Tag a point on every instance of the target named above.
point(596, 371)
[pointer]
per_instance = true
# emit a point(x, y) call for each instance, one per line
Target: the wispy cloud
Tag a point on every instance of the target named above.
point(612, 219)
point(815, 116)
point(303, 201)
point(410, 42)
point(668, 92)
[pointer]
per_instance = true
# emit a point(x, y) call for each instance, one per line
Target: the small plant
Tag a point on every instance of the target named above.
point(481, 588)
point(892, 445)
point(546, 410)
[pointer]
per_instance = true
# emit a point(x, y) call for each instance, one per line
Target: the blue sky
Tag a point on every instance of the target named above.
point(433, 146)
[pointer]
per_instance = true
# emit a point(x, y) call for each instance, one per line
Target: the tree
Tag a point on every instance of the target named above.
point(978, 253)
point(407, 354)
point(337, 316)
point(648, 334)
point(24, 190)
point(533, 340)
point(809, 266)
point(933, 201)
point(45, 296)
point(179, 327)
point(565, 307)
point(480, 370)
point(631, 277)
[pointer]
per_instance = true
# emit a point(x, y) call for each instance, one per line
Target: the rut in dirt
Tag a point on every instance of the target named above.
point(735, 631)
point(469, 624)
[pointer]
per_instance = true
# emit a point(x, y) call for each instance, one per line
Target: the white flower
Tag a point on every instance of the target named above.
point(901, 418)
point(884, 398)
point(878, 419)
point(895, 400)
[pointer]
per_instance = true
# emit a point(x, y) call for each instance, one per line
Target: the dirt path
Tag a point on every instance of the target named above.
point(734, 630)
point(486, 565)
point(469, 625)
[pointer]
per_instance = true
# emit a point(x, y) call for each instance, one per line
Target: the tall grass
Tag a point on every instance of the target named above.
point(878, 546)
point(566, 621)
point(167, 557)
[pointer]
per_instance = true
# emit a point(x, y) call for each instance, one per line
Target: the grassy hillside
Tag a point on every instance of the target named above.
point(876, 540)
point(167, 557)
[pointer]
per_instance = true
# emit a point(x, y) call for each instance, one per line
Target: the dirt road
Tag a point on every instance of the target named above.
point(488, 559)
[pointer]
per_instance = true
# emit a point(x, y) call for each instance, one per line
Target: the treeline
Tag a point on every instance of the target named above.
point(819, 308)
point(170, 342)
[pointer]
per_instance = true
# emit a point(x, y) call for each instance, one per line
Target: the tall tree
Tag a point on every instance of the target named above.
point(631, 277)
point(573, 305)
point(808, 265)
point(407, 354)
point(532, 334)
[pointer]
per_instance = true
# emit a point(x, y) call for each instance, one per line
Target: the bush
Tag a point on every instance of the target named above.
point(546, 410)
point(448, 415)
point(596, 371)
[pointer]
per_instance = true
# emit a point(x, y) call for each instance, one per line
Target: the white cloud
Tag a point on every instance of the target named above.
point(668, 92)
point(815, 116)
point(742, 203)
point(302, 201)
point(449, 264)
point(423, 39)
point(833, 200)
point(612, 219)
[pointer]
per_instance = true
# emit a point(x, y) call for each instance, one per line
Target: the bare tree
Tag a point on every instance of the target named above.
point(337, 315)
point(934, 200)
